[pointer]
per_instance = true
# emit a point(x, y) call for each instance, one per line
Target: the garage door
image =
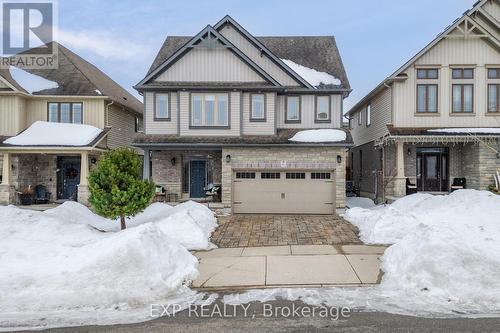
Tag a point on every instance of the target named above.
point(283, 192)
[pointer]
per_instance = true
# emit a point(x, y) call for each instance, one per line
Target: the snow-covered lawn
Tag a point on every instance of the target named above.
point(70, 266)
point(445, 260)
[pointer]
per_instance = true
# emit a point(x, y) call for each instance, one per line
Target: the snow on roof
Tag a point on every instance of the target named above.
point(477, 130)
point(31, 82)
point(319, 135)
point(312, 76)
point(42, 133)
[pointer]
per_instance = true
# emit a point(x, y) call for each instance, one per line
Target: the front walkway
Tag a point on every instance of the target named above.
point(269, 230)
point(289, 266)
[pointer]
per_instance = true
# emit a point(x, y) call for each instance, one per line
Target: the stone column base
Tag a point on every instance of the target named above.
point(396, 188)
point(7, 194)
point(83, 194)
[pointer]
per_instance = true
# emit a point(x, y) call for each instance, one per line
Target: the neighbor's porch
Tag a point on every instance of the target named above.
point(186, 174)
point(50, 175)
point(433, 164)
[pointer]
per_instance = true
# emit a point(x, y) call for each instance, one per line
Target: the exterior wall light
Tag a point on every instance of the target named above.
point(228, 158)
point(409, 152)
point(339, 159)
point(173, 160)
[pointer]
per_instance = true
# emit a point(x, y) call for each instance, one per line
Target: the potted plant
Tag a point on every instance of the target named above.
point(26, 195)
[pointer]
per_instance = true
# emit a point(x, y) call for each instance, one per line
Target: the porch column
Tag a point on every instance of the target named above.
point(400, 160)
point(145, 166)
point(6, 169)
point(84, 169)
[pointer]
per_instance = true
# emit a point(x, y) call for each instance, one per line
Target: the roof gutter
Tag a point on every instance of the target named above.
point(253, 145)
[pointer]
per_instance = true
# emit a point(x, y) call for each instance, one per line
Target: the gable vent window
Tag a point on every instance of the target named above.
point(162, 111)
point(209, 110)
point(257, 106)
point(65, 112)
point(493, 73)
point(295, 175)
point(427, 73)
point(270, 175)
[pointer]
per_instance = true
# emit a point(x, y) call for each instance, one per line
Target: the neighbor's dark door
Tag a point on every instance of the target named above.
point(69, 177)
point(197, 175)
point(432, 169)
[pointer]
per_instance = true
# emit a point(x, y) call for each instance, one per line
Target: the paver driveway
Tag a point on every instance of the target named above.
point(269, 230)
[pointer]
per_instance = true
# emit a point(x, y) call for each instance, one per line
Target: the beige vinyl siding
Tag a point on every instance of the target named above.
point(93, 109)
point(210, 65)
point(255, 54)
point(122, 124)
point(492, 7)
point(448, 52)
point(12, 115)
point(308, 112)
point(260, 127)
point(380, 117)
point(234, 117)
point(160, 127)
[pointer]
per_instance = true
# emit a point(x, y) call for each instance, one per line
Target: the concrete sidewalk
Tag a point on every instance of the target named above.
point(289, 266)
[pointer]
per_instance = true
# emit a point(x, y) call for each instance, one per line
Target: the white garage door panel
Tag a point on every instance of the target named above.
point(283, 196)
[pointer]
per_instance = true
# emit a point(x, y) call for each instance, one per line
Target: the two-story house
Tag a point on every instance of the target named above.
point(54, 123)
point(437, 118)
point(222, 108)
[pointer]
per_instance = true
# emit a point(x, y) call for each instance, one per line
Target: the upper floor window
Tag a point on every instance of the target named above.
point(210, 110)
point(462, 73)
point(293, 109)
point(427, 97)
point(427, 73)
point(63, 112)
point(350, 123)
point(257, 107)
point(493, 97)
point(138, 124)
point(360, 121)
point(493, 73)
point(368, 115)
point(322, 109)
point(162, 111)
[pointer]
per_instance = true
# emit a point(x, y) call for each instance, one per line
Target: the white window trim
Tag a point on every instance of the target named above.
point(252, 116)
point(216, 110)
point(360, 119)
point(368, 115)
point(299, 101)
point(156, 116)
point(328, 112)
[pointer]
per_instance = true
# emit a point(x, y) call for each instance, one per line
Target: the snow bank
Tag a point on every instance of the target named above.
point(60, 266)
point(444, 262)
point(189, 223)
point(42, 133)
point(352, 202)
point(312, 76)
point(31, 82)
point(319, 135)
point(477, 130)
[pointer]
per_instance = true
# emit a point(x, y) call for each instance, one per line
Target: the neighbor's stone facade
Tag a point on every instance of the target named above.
point(295, 157)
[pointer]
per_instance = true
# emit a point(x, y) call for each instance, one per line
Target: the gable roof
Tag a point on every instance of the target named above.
point(77, 77)
point(317, 52)
point(397, 74)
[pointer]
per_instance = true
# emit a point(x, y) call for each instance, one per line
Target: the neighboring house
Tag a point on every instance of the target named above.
point(220, 108)
point(437, 117)
point(36, 149)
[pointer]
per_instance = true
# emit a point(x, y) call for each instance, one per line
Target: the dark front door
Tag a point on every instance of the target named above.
point(197, 176)
point(432, 169)
point(68, 177)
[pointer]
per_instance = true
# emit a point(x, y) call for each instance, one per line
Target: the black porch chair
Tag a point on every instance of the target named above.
point(458, 184)
point(410, 188)
point(42, 196)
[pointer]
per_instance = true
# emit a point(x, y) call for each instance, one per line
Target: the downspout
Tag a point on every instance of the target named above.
point(107, 114)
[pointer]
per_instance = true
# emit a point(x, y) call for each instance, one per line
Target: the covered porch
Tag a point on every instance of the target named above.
point(433, 162)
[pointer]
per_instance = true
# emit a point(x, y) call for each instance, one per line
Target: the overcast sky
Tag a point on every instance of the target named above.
point(374, 37)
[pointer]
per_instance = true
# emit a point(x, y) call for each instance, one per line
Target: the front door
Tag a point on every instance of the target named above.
point(68, 177)
point(432, 169)
point(197, 176)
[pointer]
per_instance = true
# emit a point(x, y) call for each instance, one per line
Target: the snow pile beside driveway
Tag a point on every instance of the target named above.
point(189, 223)
point(59, 268)
point(361, 202)
point(445, 259)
